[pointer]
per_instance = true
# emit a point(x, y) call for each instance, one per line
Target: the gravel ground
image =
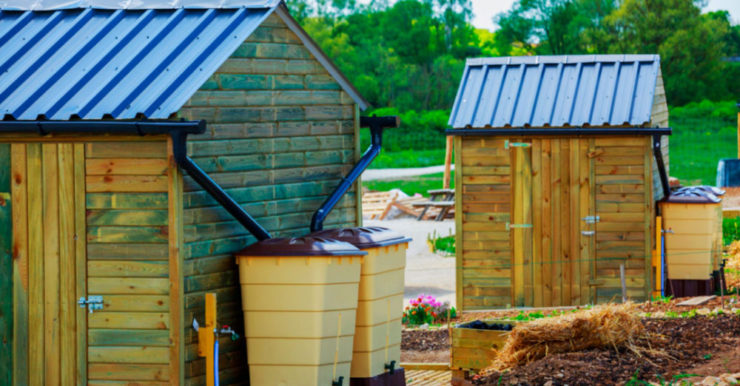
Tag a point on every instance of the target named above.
point(426, 272)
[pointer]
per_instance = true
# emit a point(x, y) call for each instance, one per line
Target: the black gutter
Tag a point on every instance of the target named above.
point(658, 153)
point(179, 150)
point(103, 127)
point(178, 130)
point(559, 131)
point(376, 125)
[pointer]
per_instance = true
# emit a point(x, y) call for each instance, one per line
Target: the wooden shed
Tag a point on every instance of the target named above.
point(100, 109)
point(556, 178)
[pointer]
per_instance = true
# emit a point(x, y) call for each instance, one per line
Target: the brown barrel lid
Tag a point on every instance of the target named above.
point(364, 237)
point(301, 246)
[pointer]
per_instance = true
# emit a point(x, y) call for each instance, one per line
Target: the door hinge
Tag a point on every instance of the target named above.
point(508, 144)
point(512, 226)
point(92, 303)
point(591, 219)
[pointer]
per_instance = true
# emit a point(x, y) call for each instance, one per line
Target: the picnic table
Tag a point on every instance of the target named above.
point(442, 199)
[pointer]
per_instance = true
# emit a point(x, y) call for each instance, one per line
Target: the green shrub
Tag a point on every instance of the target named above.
point(730, 230)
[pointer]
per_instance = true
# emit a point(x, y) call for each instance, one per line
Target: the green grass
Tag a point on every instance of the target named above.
point(703, 133)
point(410, 185)
point(408, 159)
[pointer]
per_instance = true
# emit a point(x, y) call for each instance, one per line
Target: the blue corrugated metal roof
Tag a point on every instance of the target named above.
point(537, 91)
point(92, 63)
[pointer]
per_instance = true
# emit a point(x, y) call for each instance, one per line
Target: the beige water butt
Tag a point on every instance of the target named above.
point(299, 298)
point(377, 344)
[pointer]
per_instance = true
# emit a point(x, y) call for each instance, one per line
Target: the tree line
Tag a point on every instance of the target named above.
point(410, 54)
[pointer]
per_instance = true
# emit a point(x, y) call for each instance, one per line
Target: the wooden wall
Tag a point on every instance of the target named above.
point(6, 269)
point(128, 263)
point(624, 201)
point(281, 135)
point(551, 185)
point(659, 118)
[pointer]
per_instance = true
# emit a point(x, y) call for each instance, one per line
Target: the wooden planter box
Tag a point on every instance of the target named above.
point(471, 349)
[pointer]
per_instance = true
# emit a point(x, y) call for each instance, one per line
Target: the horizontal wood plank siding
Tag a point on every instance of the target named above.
point(127, 236)
point(281, 135)
point(486, 203)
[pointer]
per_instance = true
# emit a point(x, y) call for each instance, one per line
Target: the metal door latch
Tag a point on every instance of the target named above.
point(591, 219)
point(92, 303)
point(508, 144)
point(512, 226)
point(588, 233)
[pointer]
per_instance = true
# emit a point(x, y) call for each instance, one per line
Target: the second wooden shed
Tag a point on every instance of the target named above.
point(556, 178)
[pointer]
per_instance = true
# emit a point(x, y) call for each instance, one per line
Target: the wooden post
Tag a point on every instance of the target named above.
point(207, 336)
point(448, 163)
point(624, 284)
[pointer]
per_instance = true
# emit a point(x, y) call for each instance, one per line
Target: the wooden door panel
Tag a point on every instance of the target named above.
point(552, 189)
point(47, 234)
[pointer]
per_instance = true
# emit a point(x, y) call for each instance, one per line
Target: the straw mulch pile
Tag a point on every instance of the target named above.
point(611, 325)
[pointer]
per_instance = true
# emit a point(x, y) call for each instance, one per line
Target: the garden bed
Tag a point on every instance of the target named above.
point(687, 345)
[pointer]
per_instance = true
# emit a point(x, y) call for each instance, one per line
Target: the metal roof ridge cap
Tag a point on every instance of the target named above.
point(24, 6)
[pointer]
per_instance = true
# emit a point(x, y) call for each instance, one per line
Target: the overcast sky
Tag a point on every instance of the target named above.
point(484, 10)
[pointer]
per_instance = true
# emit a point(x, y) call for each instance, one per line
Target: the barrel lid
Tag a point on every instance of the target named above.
point(301, 246)
point(696, 195)
point(364, 237)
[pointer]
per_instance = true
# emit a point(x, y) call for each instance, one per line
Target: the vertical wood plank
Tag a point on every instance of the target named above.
point(6, 268)
point(527, 242)
point(177, 347)
point(592, 211)
point(35, 266)
point(584, 200)
point(20, 263)
point(566, 222)
point(80, 261)
point(521, 215)
point(648, 216)
point(67, 262)
point(459, 255)
point(537, 196)
point(556, 262)
point(575, 230)
point(52, 343)
point(546, 223)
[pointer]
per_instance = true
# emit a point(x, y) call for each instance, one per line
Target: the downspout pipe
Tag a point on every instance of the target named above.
point(179, 150)
point(376, 125)
point(658, 153)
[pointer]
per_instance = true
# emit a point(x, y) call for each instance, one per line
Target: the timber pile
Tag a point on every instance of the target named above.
point(604, 326)
point(375, 205)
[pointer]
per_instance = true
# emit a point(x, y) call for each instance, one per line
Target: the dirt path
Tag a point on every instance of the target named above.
point(397, 174)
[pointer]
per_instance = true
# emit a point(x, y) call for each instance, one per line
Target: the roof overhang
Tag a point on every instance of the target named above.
point(132, 127)
point(560, 131)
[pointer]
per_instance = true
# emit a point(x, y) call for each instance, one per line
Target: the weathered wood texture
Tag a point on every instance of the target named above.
point(45, 271)
point(659, 118)
point(552, 187)
point(281, 135)
point(6, 269)
point(128, 240)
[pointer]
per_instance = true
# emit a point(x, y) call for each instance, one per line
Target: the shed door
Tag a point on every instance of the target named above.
point(552, 221)
point(49, 263)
